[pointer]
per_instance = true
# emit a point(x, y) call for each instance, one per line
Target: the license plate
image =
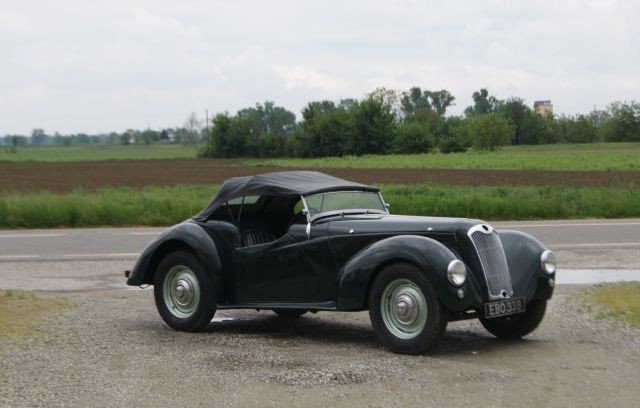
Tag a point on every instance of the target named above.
point(503, 308)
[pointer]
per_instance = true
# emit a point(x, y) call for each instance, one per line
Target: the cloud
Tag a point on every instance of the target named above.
point(309, 78)
point(95, 66)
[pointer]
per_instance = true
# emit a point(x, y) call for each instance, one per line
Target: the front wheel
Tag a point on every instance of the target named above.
point(518, 325)
point(184, 295)
point(404, 309)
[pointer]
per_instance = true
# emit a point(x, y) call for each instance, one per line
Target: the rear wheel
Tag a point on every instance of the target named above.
point(405, 311)
point(518, 325)
point(184, 295)
point(289, 313)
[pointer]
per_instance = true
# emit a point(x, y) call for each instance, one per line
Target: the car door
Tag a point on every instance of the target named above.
point(275, 271)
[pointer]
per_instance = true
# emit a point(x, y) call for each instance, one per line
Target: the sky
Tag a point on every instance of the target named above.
point(99, 66)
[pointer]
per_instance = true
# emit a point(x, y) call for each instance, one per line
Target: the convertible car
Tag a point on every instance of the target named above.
point(302, 241)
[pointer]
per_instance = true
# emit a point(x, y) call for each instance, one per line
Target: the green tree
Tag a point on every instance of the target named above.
point(82, 139)
point(375, 125)
point(38, 137)
point(429, 118)
point(490, 131)
point(515, 110)
point(16, 141)
point(326, 130)
point(624, 122)
point(416, 99)
point(483, 103)
point(271, 118)
point(412, 137)
point(456, 138)
point(413, 100)
point(232, 136)
point(441, 100)
point(532, 129)
point(126, 137)
point(578, 129)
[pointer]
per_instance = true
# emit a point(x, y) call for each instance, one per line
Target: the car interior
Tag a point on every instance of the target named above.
point(262, 219)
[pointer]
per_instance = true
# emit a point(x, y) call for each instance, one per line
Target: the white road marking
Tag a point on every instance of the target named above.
point(19, 256)
point(596, 245)
point(608, 224)
point(590, 276)
point(98, 255)
point(31, 235)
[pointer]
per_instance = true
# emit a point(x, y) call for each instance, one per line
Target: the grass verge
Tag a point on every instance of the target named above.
point(159, 206)
point(580, 157)
point(618, 301)
point(21, 311)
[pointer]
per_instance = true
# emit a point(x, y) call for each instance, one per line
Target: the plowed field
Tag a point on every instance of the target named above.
point(64, 177)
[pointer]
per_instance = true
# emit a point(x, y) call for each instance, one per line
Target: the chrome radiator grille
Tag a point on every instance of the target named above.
point(494, 263)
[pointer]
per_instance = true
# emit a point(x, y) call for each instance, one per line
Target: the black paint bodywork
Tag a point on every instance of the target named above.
point(333, 267)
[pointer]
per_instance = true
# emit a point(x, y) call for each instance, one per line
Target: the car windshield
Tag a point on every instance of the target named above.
point(357, 201)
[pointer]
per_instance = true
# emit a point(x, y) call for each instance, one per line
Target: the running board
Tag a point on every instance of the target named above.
point(282, 305)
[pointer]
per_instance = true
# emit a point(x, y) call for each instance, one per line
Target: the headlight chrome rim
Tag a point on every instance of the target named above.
point(548, 262)
point(457, 273)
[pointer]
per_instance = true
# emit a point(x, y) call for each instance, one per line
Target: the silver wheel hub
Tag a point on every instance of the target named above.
point(183, 292)
point(406, 309)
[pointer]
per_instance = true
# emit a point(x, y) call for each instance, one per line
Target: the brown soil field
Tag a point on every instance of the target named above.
point(64, 177)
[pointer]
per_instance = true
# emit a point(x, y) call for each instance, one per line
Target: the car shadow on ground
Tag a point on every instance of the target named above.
point(330, 330)
point(302, 329)
point(466, 341)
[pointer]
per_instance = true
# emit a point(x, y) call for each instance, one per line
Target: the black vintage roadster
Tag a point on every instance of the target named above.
point(302, 241)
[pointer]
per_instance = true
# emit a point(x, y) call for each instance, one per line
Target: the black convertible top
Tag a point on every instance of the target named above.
point(279, 184)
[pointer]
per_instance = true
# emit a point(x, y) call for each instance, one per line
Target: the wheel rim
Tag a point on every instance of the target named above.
point(404, 308)
point(181, 291)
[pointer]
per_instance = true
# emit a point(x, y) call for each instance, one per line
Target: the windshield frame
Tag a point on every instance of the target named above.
point(349, 211)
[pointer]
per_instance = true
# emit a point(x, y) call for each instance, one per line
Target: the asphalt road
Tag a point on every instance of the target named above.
point(70, 259)
point(126, 243)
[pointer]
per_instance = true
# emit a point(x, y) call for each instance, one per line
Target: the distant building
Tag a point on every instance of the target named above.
point(543, 107)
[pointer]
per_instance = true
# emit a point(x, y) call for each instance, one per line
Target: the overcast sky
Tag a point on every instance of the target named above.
point(96, 66)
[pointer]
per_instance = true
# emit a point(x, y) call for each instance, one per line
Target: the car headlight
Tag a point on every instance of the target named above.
point(548, 262)
point(456, 272)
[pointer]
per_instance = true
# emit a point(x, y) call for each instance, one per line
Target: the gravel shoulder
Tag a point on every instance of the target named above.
point(110, 348)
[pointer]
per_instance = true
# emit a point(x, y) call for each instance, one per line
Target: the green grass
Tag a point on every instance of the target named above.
point(20, 312)
point(97, 153)
point(104, 207)
point(157, 206)
point(597, 156)
point(618, 301)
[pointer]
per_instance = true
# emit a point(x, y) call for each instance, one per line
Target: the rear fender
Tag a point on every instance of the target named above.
point(186, 236)
point(428, 255)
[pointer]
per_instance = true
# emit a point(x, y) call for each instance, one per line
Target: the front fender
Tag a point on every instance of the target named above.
point(185, 236)
point(523, 258)
point(430, 256)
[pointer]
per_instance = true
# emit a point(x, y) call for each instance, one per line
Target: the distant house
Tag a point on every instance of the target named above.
point(543, 107)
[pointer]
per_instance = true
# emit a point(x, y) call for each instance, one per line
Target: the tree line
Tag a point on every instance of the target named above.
point(414, 121)
point(191, 132)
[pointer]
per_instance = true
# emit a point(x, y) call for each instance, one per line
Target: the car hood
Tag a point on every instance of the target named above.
point(400, 224)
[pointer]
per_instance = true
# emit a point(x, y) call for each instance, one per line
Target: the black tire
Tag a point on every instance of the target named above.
point(289, 313)
point(183, 268)
point(404, 282)
point(519, 325)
